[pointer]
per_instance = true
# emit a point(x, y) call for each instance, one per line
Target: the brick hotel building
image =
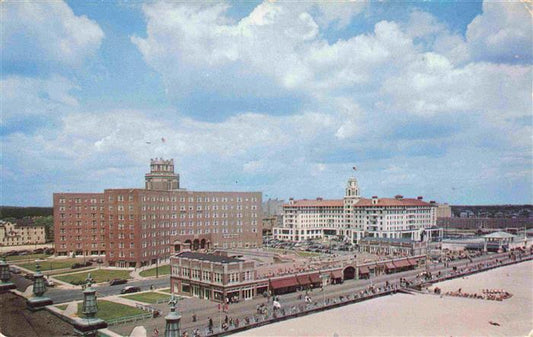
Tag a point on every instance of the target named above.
point(136, 227)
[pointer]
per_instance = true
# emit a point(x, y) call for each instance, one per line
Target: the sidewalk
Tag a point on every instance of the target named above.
point(136, 274)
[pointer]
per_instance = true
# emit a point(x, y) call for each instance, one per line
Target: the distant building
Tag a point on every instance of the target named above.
point(136, 227)
point(271, 222)
point(399, 247)
point(444, 211)
point(273, 207)
point(354, 218)
point(517, 224)
point(21, 233)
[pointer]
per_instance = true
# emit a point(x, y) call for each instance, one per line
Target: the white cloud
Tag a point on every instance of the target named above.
point(47, 32)
point(277, 41)
point(503, 32)
point(24, 97)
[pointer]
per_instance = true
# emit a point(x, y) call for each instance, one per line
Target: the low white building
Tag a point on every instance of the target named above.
point(353, 218)
point(16, 234)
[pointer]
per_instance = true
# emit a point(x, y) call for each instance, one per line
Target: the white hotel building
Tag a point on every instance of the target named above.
point(354, 218)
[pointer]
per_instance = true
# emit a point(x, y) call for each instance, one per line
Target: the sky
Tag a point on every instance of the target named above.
point(429, 98)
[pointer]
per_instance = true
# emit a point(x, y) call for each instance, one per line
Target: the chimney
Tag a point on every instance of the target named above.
point(319, 198)
point(374, 200)
point(398, 196)
point(420, 197)
point(432, 202)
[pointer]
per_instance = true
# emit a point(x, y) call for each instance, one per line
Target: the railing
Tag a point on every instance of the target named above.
point(163, 300)
point(127, 319)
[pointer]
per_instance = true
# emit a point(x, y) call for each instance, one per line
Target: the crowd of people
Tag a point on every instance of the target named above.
point(486, 294)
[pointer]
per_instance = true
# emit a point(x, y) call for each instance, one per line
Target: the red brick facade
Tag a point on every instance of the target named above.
point(135, 227)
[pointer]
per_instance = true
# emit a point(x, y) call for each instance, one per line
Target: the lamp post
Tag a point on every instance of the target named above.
point(172, 327)
point(324, 277)
point(38, 301)
point(5, 275)
point(88, 326)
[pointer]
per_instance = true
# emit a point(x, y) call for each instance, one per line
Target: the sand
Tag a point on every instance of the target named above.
point(427, 315)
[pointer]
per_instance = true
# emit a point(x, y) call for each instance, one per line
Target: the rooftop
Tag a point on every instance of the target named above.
point(392, 202)
point(208, 257)
point(315, 203)
point(361, 203)
point(499, 235)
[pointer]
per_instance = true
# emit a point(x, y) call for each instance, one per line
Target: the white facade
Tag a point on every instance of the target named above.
point(12, 234)
point(310, 219)
point(354, 218)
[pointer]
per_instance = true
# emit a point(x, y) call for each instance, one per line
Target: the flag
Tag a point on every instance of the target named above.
point(163, 139)
point(355, 168)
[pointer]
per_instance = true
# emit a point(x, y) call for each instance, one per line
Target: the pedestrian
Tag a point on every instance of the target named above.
point(210, 324)
point(156, 333)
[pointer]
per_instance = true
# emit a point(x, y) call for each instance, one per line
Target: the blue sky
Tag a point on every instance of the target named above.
point(426, 98)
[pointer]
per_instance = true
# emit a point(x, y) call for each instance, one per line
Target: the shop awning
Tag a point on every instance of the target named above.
point(390, 265)
point(303, 280)
point(364, 270)
point(402, 263)
point(315, 278)
point(336, 274)
point(412, 262)
point(285, 282)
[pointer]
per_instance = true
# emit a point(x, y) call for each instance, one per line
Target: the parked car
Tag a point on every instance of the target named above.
point(117, 281)
point(28, 276)
point(49, 283)
point(14, 270)
point(130, 289)
point(81, 265)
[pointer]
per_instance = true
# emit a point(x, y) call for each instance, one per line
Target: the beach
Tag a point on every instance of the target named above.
point(427, 315)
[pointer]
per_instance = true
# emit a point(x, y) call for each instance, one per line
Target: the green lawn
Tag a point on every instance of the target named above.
point(305, 253)
point(111, 310)
point(99, 275)
point(30, 257)
point(166, 290)
point(150, 297)
point(163, 270)
point(51, 264)
point(62, 306)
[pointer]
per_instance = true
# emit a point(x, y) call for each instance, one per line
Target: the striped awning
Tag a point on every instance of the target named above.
point(364, 270)
point(390, 265)
point(303, 280)
point(315, 278)
point(336, 274)
point(285, 282)
point(402, 263)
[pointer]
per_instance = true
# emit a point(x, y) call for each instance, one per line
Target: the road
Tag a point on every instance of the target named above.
point(59, 295)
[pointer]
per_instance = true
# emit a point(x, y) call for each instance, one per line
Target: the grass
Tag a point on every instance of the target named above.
point(51, 264)
point(30, 257)
point(100, 275)
point(149, 297)
point(166, 290)
point(111, 310)
point(304, 253)
point(62, 306)
point(163, 270)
